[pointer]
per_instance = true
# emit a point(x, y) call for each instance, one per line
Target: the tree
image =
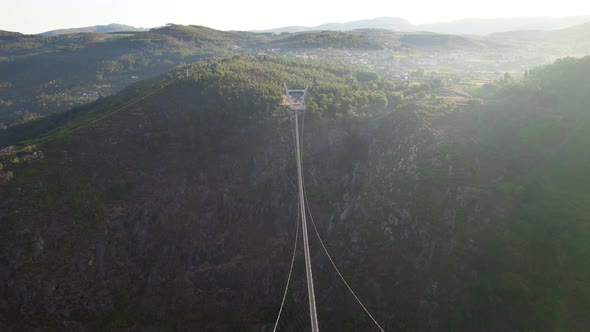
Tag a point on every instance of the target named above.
point(395, 98)
point(378, 101)
point(367, 76)
point(419, 73)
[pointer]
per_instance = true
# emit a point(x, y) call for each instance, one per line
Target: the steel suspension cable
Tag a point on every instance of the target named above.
point(106, 114)
point(294, 251)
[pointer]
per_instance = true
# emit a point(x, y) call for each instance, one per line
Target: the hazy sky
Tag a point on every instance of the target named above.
point(34, 16)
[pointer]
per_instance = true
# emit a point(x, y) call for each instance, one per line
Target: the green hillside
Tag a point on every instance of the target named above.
point(332, 39)
point(528, 151)
point(428, 40)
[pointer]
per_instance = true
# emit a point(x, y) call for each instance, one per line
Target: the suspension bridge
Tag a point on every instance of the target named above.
point(296, 101)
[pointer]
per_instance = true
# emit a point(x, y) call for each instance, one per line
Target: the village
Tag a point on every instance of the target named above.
point(404, 63)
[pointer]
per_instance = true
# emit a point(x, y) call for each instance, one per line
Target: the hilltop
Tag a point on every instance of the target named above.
point(113, 27)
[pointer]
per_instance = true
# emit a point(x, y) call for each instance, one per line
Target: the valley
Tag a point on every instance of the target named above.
point(148, 180)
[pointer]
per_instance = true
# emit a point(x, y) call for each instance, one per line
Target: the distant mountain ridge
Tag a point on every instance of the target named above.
point(468, 26)
point(475, 26)
point(387, 23)
point(113, 27)
point(574, 34)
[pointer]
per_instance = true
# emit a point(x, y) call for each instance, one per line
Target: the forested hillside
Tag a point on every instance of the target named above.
point(172, 205)
point(527, 146)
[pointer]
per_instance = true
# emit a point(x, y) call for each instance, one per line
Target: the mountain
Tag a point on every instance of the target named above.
point(555, 23)
point(172, 205)
point(388, 23)
point(580, 32)
point(113, 27)
point(468, 26)
point(473, 26)
point(576, 36)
